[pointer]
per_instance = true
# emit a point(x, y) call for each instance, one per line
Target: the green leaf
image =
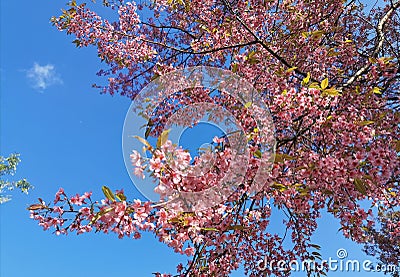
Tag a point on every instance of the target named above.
point(331, 92)
point(162, 139)
point(316, 254)
point(35, 207)
point(324, 83)
point(210, 229)
point(234, 67)
point(155, 76)
point(251, 58)
point(248, 105)
point(360, 186)
point(376, 90)
point(121, 196)
point(398, 146)
point(279, 187)
point(72, 3)
point(317, 34)
point(235, 227)
point(251, 54)
point(280, 158)
point(366, 122)
point(205, 28)
point(100, 214)
point(254, 61)
point(142, 140)
point(108, 193)
point(306, 79)
point(303, 191)
point(305, 34)
point(314, 85)
point(147, 133)
point(77, 42)
point(316, 246)
point(258, 154)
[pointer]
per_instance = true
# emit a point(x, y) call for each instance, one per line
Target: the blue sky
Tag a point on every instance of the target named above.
point(70, 136)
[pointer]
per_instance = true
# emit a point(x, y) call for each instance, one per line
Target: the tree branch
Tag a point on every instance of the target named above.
point(261, 42)
point(378, 45)
point(181, 50)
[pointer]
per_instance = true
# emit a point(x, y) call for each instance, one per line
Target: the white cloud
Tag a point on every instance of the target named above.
point(42, 77)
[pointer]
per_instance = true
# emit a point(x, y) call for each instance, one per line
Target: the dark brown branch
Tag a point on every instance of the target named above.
point(170, 27)
point(261, 42)
point(181, 50)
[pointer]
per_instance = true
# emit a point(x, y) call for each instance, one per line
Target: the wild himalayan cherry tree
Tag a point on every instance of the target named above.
point(329, 73)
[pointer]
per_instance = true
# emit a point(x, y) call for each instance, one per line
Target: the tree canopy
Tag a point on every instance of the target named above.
point(328, 71)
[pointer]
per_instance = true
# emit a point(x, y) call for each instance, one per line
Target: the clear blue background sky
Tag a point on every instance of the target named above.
point(70, 136)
